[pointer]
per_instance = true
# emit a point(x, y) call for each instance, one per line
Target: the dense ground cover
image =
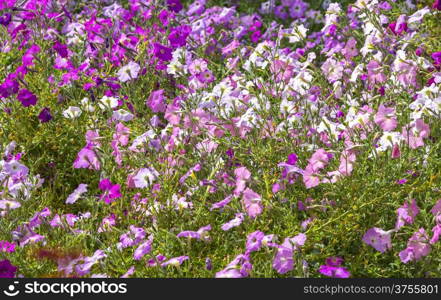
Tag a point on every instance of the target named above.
point(149, 138)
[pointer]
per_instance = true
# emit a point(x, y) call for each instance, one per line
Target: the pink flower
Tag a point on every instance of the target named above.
point(378, 238)
point(242, 176)
point(319, 160)
point(310, 179)
point(87, 159)
point(406, 214)
point(385, 118)
point(374, 73)
point(417, 247)
point(252, 202)
point(415, 133)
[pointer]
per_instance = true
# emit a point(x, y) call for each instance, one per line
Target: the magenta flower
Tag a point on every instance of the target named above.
point(333, 268)
point(378, 238)
point(234, 222)
point(7, 247)
point(334, 261)
point(252, 202)
point(111, 191)
point(178, 36)
point(335, 272)
point(417, 247)
point(26, 98)
point(85, 267)
point(7, 270)
point(385, 118)
point(436, 4)
point(161, 52)
point(283, 261)
point(5, 19)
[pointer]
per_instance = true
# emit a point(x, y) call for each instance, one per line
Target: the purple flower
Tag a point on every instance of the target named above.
point(283, 261)
point(208, 264)
point(378, 238)
point(5, 19)
point(133, 237)
point(156, 101)
point(45, 115)
point(436, 209)
point(76, 194)
point(175, 261)
point(254, 241)
point(143, 248)
point(240, 267)
point(174, 5)
point(26, 98)
point(7, 270)
point(111, 191)
point(221, 203)
point(334, 261)
point(178, 36)
point(234, 222)
point(89, 262)
point(161, 52)
point(201, 234)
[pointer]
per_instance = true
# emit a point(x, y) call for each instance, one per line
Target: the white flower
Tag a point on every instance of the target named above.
point(72, 112)
point(145, 177)
point(128, 72)
point(87, 105)
point(122, 115)
point(388, 140)
point(298, 33)
point(108, 102)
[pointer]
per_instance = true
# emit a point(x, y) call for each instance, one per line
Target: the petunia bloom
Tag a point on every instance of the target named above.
point(378, 238)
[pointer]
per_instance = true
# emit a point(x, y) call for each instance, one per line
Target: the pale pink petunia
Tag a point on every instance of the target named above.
point(386, 118)
point(252, 202)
